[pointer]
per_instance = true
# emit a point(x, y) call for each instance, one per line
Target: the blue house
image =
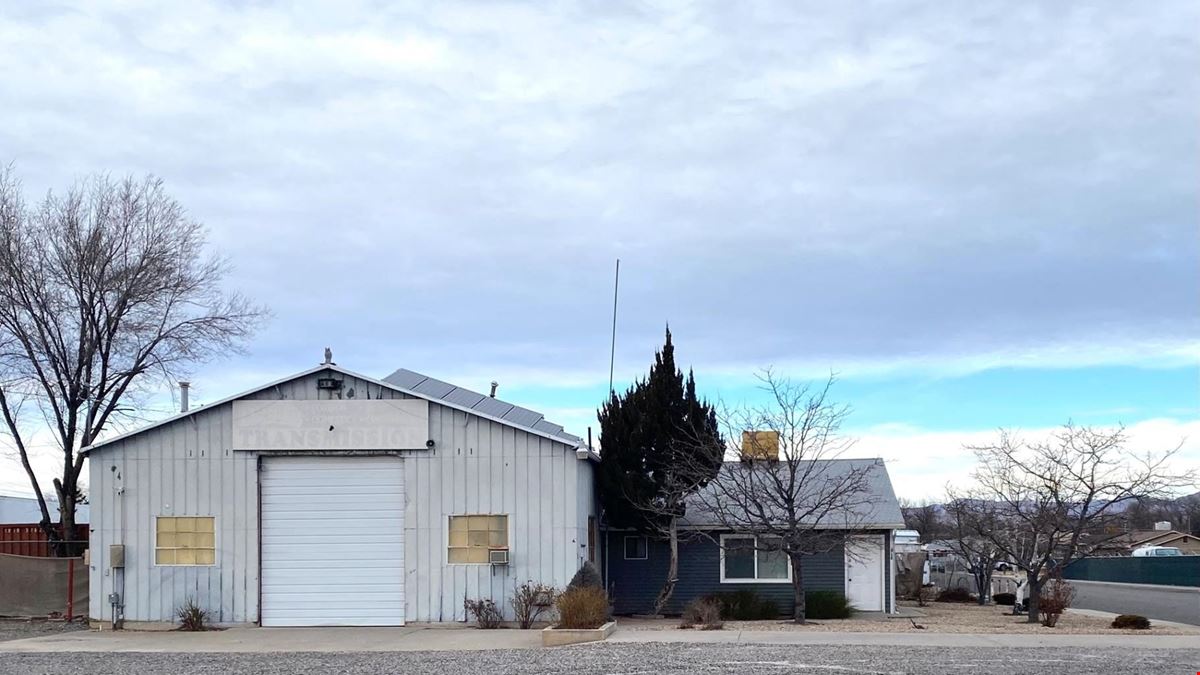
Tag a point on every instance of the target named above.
point(713, 559)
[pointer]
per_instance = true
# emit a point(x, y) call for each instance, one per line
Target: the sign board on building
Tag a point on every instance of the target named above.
point(396, 424)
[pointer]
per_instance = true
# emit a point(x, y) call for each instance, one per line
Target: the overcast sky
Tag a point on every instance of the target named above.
point(979, 214)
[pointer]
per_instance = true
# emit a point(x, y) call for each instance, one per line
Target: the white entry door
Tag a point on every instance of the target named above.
point(332, 541)
point(864, 572)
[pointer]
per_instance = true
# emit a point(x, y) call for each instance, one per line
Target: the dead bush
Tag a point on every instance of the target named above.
point(582, 607)
point(530, 600)
point(703, 613)
point(921, 595)
point(1056, 596)
point(191, 616)
point(485, 611)
point(955, 595)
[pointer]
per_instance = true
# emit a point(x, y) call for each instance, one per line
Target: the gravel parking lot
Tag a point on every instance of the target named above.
point(655, 659)
point(17, 629)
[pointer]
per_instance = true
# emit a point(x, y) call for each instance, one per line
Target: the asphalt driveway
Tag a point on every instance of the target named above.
point(1169, 603)
point(643, 658)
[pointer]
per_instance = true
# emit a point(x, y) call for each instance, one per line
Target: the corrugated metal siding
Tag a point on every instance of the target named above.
point(477, 466)
point(181, 469)
point(634, 584)
point(480, 466)
point(31, 541)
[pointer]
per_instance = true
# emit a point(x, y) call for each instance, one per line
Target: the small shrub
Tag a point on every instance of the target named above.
point(703, 613)
point(1134, 621)
point(955, 595)
point(529, 600)
point(191, 616)
point(921, 595)
point(485, 611)
point(1056, 596)
point(1007, 599)
point(745, 605)
point(827, 605)
point(582, 607)
point(587, 576)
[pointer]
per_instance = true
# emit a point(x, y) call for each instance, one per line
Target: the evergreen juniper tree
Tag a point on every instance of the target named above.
point(653, 437)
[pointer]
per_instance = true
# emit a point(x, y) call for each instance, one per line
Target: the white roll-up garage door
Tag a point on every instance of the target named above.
point(332, 541)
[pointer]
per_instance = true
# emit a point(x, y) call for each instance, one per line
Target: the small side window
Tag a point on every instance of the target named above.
point(636, 548)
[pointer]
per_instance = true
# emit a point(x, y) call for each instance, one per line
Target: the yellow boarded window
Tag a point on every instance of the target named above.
point(184, 540)
point(471, 537)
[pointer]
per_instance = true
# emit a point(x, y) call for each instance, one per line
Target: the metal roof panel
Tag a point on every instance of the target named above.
point(463, 397)
point(522, 416)
point(493, 407)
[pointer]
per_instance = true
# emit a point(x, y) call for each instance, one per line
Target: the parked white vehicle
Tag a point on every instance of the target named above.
point(1156, 551)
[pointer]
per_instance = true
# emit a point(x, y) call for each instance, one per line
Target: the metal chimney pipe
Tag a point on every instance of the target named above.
point(495, 384)
point(183, 396)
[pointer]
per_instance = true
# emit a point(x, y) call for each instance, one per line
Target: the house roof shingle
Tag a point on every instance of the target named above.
point(882, 513)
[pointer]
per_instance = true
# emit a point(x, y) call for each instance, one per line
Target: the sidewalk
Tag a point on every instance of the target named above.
point(404, 639)
point(426, 638)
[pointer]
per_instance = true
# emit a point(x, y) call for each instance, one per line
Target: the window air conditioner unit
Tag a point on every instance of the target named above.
point(498, 556)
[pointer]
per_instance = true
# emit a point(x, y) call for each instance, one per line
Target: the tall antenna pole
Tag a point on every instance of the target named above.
point(612, 356)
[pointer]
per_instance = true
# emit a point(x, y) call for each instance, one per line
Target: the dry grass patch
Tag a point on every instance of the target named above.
point(938, 617)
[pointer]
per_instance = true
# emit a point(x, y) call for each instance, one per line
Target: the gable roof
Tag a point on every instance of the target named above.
point(1156, 537)
point(538, 426)
point(883, 513)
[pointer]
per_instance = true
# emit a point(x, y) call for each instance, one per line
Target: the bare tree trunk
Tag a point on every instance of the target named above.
point(798, 608)
point(69, 547)
point(983, 583)
point(1035, 592)
point(668, 589)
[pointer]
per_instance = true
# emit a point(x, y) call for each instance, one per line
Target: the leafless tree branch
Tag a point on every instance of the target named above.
point(105, 292)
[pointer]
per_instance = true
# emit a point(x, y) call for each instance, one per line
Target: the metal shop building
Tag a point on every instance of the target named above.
point(330, 498)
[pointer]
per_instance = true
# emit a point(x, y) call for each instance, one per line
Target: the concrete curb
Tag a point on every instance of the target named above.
point(1137, 587)
point(923, 639)
point(559, 637)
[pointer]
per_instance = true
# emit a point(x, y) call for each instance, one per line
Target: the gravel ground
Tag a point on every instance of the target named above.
point(939, 617)
point(649, 659)
point(17, 629)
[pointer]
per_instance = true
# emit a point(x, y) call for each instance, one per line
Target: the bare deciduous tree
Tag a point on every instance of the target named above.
point(1047, 503)
point(786, 489)
point(105, 292)
point(923, 516)
point(980, 553)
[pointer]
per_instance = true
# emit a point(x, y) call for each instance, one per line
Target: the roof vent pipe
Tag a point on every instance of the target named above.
point(495, 384)
point(183, 396)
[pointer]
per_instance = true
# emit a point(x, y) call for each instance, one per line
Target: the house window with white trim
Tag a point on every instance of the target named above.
point(748, 559)
point(636, 548)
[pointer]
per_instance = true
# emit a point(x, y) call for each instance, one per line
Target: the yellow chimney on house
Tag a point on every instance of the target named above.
point(760, 445)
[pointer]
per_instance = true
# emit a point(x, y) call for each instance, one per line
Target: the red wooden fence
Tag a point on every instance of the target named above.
point(31, 541)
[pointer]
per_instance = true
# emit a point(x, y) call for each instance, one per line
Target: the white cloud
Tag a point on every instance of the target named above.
point(922, 463)
point(927, 188)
